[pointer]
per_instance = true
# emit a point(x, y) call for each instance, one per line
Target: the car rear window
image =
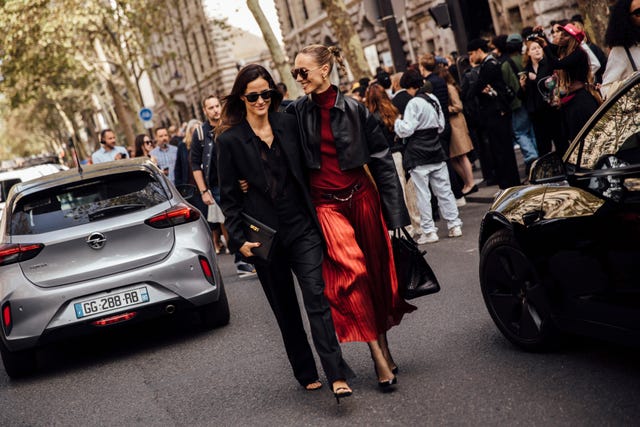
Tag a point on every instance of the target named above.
point(86, 201)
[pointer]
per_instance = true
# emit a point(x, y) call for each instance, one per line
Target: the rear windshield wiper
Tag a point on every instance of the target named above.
point(114, 210)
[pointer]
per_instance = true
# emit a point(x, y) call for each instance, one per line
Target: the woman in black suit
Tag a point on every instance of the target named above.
point(258, 145)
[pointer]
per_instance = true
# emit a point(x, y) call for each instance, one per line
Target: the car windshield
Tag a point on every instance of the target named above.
point(616, 132)
point(82, 202)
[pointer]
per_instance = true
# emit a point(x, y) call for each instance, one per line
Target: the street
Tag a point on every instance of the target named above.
point(455, 369)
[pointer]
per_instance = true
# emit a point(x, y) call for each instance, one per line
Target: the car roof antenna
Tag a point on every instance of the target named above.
point(72, 147)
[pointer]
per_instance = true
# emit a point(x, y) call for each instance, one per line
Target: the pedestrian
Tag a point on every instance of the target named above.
point(424, 158)
point(623, 37)
point(579, 98)
point(340, 137)
point(165, 153)
point(184, 174)
point(400, 96)
point(260, 146)
point(143, 147)
point(379, 104)
point(204, 162)
point(461, 143)
point(108, 151)
point(545, 117)
point(495, 113)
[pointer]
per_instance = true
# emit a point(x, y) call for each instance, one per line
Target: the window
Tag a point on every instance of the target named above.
point(87, 201)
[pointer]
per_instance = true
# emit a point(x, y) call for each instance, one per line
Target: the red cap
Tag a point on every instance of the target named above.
point(573, 31)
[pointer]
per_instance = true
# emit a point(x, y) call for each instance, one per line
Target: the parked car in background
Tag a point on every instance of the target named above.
point(10, 178)
point(563, 253)
point(84, 251)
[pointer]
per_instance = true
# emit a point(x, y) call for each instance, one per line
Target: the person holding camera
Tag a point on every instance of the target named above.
point(109, 150)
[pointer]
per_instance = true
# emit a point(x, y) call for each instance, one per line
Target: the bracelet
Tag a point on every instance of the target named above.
point(204, 191)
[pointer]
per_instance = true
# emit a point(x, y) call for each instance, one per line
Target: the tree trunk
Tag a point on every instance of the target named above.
point(277, 54)
point(348, 38)
point(596, 16)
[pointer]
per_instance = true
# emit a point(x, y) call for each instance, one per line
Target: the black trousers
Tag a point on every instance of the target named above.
point(301, 251)
point(499, 131)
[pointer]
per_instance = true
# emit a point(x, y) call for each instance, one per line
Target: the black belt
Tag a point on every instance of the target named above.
point(342, 196)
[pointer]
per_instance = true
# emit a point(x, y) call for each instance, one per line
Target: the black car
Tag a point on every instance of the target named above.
point(563, 253)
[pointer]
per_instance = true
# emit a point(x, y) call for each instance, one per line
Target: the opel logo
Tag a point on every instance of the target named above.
point(96, 240)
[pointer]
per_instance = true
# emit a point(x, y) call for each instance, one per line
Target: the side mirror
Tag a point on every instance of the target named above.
point(548, 168)
point(186, 190)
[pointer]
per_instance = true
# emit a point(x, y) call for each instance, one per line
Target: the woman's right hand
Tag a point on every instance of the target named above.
point(207, 198)
point(245, 249)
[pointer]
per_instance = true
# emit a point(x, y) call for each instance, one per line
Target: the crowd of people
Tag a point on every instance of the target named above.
point(334, 171)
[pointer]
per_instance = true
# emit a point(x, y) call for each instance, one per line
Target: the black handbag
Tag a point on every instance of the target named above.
point(255, 231)
point(415, 276)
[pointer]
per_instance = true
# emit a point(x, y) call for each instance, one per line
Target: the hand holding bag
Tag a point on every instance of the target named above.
point(255, 231)
point(415, 276)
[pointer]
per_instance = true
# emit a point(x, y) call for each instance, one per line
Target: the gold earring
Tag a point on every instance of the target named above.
point(324, 77)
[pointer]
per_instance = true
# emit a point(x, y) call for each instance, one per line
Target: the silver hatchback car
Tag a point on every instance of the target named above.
point(84, 251)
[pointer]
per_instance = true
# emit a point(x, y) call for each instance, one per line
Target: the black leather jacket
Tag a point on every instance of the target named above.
point(359, 141)
point(203, 154)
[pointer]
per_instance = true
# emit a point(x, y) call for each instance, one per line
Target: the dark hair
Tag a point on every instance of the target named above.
point(411, 79)
point(500, 43)
point(139, 142)
point(476, 44)
point(282, 88)
point(159, 128)
point(620, 30)
point(526, 31)
point(234, 110)
point(577, 18)
point(102, 134)
point(384, 79)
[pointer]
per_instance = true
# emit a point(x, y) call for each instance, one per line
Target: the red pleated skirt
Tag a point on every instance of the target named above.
point(358, 269)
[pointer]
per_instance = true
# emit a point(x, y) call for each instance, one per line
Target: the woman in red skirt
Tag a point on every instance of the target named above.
point(340, 137)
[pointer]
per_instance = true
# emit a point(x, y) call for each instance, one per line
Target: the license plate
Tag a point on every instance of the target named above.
point(113, 301)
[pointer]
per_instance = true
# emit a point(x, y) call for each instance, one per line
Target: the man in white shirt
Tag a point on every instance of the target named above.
point(424, 158)
point(165, 153)
point(109, 150)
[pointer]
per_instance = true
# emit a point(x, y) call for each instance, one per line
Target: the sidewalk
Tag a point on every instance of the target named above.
point(485, 192)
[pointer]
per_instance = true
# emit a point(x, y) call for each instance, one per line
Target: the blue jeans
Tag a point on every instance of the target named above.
point(524, 136)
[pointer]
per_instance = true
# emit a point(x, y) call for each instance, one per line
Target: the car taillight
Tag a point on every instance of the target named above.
point(206, 269)
point(10, 253)
point(7, 322)
point(180, 214)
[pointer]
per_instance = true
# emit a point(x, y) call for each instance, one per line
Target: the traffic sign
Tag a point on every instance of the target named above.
point(145, 114)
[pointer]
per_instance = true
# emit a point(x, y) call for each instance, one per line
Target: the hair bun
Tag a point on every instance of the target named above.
point(334, 50)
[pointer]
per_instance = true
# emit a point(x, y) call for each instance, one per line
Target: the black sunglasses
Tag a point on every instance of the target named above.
point(303, 72)
point(265, 94)
point(636, 13)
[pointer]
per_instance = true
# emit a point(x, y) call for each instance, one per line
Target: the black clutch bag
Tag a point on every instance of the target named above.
point(255, 231)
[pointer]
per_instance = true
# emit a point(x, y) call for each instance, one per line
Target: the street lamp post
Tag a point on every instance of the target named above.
point(391, 27)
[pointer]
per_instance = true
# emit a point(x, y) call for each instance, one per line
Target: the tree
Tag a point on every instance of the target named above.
point(277, 54)
point(596, 15)
point(347, 36)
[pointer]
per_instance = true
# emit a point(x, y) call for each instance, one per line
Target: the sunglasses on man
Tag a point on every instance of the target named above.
point(303, 72)
point(265, 95)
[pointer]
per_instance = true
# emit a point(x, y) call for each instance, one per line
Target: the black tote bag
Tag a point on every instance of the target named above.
point(415, 276)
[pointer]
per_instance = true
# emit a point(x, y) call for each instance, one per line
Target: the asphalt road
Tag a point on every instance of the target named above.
point(455, 369)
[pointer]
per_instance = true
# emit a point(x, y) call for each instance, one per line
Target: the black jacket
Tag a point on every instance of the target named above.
point(359, 141)
point(239, 158)
point(203, 154)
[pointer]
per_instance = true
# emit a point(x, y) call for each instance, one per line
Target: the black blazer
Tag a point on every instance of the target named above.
point(239, 158)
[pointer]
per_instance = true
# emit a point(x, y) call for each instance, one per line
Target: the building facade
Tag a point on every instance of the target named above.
point(192, 59)
point(304, 22)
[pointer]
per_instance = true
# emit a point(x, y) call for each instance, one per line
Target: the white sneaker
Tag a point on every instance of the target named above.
point(455, 231)
point(461, 202)
point(428, 238)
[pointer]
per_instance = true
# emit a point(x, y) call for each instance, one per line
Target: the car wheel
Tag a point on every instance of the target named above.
point(216, 313)
point(513, 293)
point(18, 364)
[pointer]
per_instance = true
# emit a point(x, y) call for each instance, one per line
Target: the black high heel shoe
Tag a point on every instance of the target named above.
point(342, 392)
point(385, 386)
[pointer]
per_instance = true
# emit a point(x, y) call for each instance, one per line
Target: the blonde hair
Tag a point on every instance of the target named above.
point(191, 127)
point(325, 55)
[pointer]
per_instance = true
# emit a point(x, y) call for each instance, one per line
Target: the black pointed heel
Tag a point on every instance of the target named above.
point(386, 386)
point(395, 371)
point(341, 394)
